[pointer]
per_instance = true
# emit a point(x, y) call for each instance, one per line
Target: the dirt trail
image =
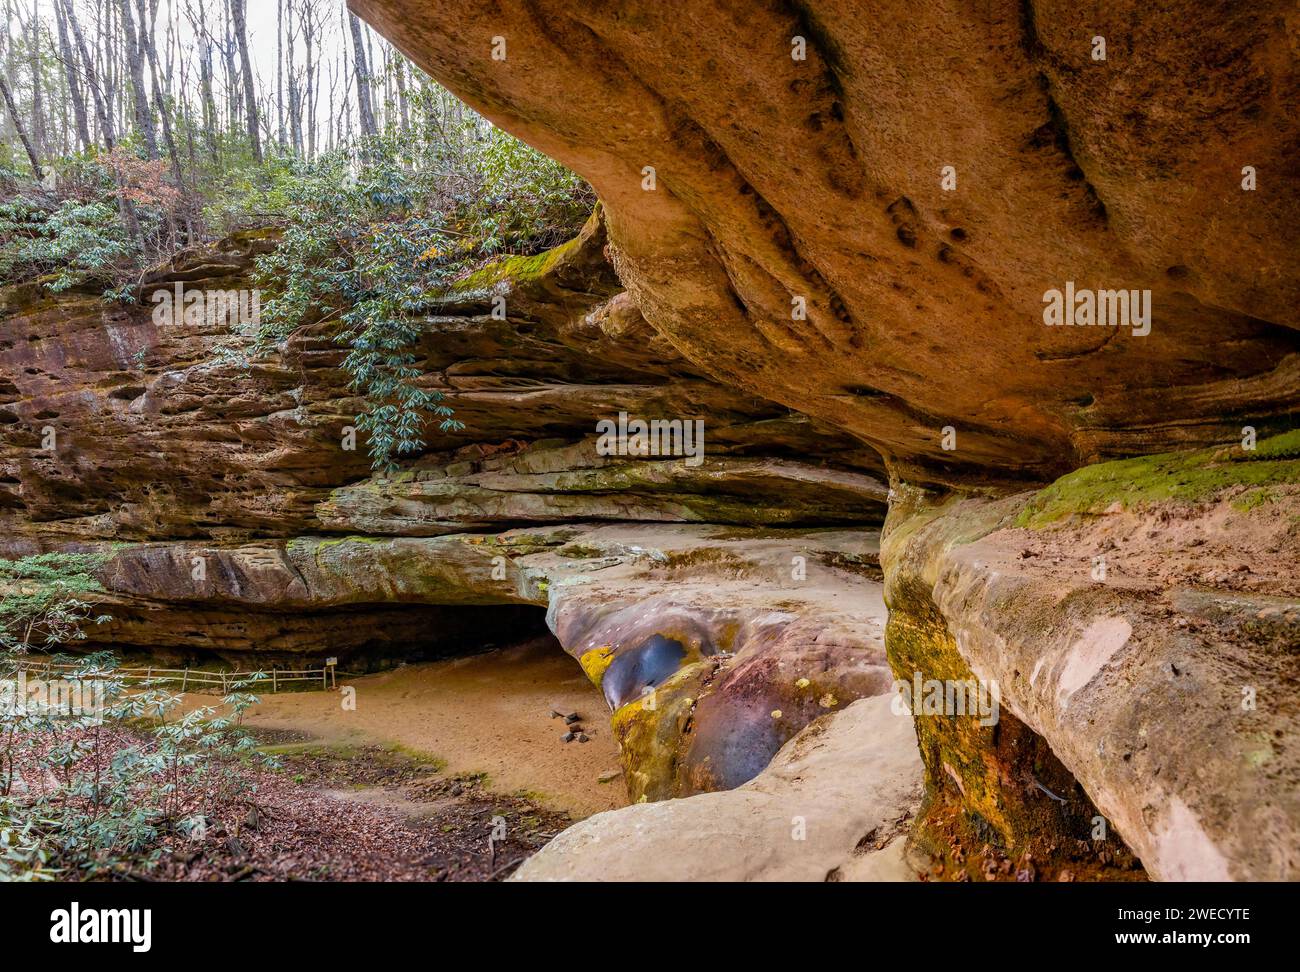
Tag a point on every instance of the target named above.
point(486, 713)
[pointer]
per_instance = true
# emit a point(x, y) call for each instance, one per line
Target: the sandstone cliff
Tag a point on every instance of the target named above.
point(921, 178)
point(240, 524)
point(1075, 514)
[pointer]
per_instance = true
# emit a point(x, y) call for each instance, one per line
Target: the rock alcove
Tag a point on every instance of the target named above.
point(919, 478)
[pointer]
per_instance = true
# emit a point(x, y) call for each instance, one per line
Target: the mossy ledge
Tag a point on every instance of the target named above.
point(516, 270)
point(1172, 476)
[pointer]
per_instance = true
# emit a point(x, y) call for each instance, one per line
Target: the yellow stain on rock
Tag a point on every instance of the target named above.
point(595, 661)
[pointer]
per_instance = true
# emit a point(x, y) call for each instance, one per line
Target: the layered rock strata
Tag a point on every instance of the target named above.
point(842, 260)
point(918, 177)
point(732, 597)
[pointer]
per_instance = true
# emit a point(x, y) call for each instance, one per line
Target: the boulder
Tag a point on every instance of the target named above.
point(832, 805)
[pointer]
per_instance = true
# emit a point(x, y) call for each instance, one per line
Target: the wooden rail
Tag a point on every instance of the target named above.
point(191, 679)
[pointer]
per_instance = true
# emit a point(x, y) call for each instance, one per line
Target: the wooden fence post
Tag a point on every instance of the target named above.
point(274, 681)
point(185, 677)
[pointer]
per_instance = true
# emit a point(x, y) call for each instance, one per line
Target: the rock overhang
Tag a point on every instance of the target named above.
point(778, 178)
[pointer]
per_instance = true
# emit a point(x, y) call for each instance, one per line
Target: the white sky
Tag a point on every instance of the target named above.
point(261, 16)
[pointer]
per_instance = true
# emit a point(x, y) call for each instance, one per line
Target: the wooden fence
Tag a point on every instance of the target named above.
point(193, 679)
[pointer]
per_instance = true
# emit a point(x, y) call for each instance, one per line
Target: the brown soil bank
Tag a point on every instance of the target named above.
point(360, 813)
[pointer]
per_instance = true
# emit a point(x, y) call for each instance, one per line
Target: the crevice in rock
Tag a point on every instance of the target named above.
point(999, 805)
point(364, 637)
point(1055, 131)
point(820, 39)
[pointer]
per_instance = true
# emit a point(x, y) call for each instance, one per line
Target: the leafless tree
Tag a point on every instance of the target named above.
point(135, 64)
point(71, 71)
point(20, 128)
point(240, 26)
point(365, 112)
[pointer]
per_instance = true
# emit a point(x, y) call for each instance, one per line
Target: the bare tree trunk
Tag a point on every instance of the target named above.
point(102, 109)
point(70, 71)
point(106, 54)
point(103, 105)
point(295, 104)
point(309, 35)
point(199, 23)
point(279, 73)
point(40, 137)
point(164, 110)
point(237, 13)
point(376, 106)
point(389, 99)
point(20, 129)
point(8, 67)
point(135, 63)
point(183, 102)
point(62, 101)
point(402, 98)
point(327, 100)
point(364, 110)
point(232, 73)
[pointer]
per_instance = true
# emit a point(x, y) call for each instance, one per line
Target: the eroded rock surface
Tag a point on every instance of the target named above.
point(834, 804)
point(1149, 639)
point(778, 178)
point(713, 645)
point(238, 525)
point(164, 432)
point(724, 606)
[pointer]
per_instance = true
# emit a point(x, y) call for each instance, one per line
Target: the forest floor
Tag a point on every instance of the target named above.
point(451, 770)
point(362, 813)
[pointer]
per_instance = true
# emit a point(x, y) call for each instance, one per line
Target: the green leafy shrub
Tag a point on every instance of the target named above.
point(77, 243)
point(352, 251)
point(93, 790)
point(371, 230)
point(93, 771)
point(45, 600)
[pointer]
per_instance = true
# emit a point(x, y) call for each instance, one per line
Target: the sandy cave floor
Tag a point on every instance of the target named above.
point(485, 713)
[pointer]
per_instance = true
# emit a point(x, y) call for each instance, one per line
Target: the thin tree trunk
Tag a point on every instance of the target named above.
point(279, 73)
point(364, 111)
point(102, 108)
point(250, 95)
point(232, 72)
point(20, 129)
point(164, 111)
point(135, 64)
point(206, 96)
point(106, 53)
point(402, 98)
point(376, 108)
point(8, 68)
point(309, 35)
point(40, 138)
point(295, 104)
point(70, 71)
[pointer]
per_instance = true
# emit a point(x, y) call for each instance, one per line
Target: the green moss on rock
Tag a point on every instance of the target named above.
point(1167, 477)
point(999, 805)
point(515, 269)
